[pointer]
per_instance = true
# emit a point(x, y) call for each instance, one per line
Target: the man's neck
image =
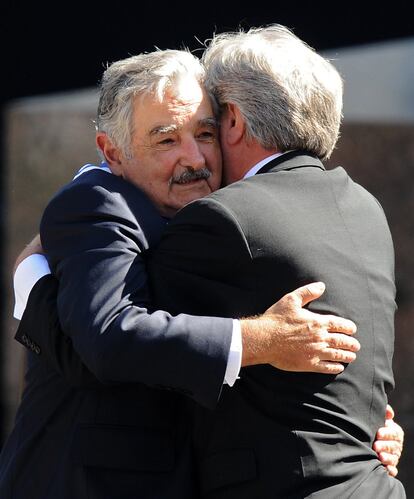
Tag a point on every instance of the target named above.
point(246, 158)
point(258, 166)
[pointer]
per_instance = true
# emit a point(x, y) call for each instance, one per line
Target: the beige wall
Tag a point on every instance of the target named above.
point(378, 81)
point(47, 139)
point(381, 158)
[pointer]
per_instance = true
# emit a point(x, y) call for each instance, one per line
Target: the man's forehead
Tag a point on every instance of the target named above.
point(184, 105)
point(154, 114)
point(187, 88)
point(185, 91)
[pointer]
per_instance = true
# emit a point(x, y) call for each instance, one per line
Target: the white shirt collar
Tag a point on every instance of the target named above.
point(85, 168)
point(260, 164)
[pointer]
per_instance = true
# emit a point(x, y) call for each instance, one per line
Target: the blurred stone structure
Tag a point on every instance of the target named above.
point(377, 149)
point(378, 81)
point(381, 158)
point(48, 138)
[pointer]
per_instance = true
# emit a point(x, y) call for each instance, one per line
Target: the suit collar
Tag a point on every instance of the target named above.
point(291, 160)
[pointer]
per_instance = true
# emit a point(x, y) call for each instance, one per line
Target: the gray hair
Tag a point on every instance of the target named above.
point(147, 73)
point(289, 96)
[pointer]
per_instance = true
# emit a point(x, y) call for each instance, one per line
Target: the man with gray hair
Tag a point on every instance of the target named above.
point(122, 429)
point(285, 220)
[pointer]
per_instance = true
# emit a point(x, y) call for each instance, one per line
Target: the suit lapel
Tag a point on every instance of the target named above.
point(291, 160)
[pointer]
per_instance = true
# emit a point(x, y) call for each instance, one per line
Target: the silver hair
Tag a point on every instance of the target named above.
point(289, 96)
point(147, 73)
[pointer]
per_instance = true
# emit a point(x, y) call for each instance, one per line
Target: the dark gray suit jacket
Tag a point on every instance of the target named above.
point(281, 434)
point(120, 431)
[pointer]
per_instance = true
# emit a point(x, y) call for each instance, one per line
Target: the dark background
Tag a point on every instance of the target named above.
point(51, 47)
point(55, 46)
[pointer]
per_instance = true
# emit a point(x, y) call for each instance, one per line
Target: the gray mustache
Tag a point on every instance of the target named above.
point(190, 175)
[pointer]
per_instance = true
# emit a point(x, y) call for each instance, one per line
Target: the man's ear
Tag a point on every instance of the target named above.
point(111, 153)
point(235, 124)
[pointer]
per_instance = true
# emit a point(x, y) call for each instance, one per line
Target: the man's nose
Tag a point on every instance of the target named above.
point(192, 155)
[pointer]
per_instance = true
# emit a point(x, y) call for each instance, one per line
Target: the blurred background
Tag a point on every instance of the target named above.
point(53, 57)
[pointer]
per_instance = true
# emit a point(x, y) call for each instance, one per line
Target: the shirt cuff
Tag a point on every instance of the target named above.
point(235, 356)
point(28, 272)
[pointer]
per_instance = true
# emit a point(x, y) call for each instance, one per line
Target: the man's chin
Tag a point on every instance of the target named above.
point(196, 188)
point(191, 195)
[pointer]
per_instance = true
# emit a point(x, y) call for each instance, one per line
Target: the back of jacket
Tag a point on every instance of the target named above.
point(276, 433)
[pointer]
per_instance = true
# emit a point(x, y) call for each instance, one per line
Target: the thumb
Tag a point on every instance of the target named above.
point(310, 292)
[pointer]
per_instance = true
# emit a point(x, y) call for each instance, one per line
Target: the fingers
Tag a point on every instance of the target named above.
point(325, 367)
point(392, 470)
point(306, 341)
point(334, 355)
point(389, 447)
point(342, 342)
point(391, 431)
point(388, 459)
point(330, 360)
point(292, 302)
point(338, 324)
point(394, 447)
point(321, 367)
point(308, 293)
point(389, 412)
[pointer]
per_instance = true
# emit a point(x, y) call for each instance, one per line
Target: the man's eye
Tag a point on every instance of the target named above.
point(165, 142)
point(207, 136)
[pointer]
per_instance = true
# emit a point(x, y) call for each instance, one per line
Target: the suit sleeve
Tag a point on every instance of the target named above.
point(97, 249)
point(47, 340)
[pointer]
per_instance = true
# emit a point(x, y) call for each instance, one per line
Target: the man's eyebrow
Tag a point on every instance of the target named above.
point(164, 129)
point(161, 129)
point(212, 122)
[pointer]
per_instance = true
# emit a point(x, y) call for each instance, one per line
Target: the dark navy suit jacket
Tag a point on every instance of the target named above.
point(117, 428)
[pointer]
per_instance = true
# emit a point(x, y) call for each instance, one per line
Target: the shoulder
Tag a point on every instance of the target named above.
point(214, 216)
point(223, 202)
point(98, 196)
point(233, 204)
point(341, 179)
point(103, 192)
point(204, 211)
point(98, 184)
